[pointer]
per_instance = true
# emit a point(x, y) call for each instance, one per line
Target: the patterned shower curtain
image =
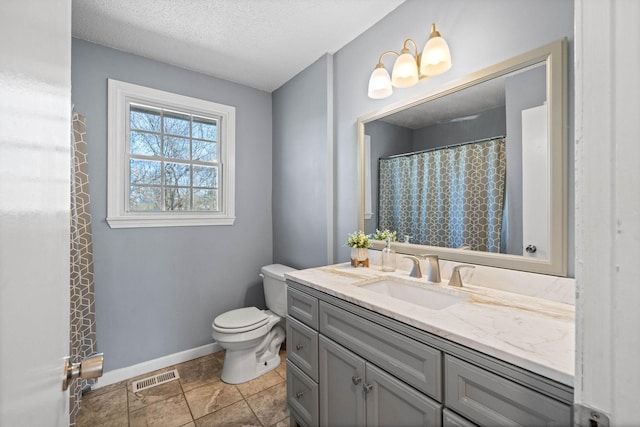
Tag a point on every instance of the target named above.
point(83, 337)
point(449, 197)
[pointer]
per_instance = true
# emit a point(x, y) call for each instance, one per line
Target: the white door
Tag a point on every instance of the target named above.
point(35, 102)
point(607, 210)
point(535, 183)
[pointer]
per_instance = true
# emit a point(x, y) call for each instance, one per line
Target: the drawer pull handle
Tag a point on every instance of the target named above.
point(299, 347)
point(299, 395)
point(356, 380)
point(367, 387)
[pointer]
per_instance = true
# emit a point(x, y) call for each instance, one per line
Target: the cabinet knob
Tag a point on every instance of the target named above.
point(367, 387)
point(299, 395)
point(356, 380)
point(299, 347)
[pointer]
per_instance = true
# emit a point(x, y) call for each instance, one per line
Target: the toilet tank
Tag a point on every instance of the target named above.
point(275, 287)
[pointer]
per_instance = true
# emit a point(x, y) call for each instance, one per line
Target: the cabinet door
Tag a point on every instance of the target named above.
point(341, 379)
point(391, 402)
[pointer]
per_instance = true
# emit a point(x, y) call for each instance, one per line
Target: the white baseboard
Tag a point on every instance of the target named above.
point(121, 374)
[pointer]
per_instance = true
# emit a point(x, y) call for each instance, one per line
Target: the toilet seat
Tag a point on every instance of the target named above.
point(240, 320)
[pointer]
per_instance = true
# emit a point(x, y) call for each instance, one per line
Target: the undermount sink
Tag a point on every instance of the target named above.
point(414, 293)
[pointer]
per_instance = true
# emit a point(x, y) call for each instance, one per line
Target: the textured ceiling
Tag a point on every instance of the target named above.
point(258, 43)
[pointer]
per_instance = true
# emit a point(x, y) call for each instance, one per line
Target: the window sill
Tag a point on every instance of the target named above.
point(168, 221)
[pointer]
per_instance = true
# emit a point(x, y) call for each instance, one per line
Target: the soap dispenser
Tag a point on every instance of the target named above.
point(388, 257)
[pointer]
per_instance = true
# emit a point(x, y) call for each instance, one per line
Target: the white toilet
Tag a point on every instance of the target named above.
point(252, 337)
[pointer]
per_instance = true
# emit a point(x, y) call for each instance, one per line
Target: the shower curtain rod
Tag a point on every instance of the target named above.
point(445, 147)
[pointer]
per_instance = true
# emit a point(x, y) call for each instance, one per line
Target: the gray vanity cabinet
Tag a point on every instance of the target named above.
point(356, 393)
point(348, 366)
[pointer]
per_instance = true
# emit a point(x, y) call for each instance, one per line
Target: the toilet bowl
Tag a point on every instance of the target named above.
point(252, 337)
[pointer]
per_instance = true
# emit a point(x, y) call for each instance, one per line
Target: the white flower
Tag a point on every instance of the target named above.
point(358, 240)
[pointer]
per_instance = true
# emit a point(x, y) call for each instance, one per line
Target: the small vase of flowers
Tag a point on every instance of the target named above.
point(359, 244)
point(383, 235)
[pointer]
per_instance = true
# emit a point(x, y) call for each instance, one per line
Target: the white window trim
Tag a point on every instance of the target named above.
point(121, 93)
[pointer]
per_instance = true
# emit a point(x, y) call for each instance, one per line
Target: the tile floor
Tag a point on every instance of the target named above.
point(198, 399)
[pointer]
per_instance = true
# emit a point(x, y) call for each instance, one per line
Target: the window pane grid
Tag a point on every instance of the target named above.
point(160, 159)
point(189, 165)
point(159, 133)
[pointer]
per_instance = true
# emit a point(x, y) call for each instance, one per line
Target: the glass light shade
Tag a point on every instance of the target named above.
point(436, 58)
point(405, 71)
point(380, 84)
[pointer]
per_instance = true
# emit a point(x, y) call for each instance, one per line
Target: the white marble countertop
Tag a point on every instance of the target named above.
point(533, 333)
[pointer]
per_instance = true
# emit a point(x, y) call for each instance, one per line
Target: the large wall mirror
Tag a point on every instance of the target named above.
point(474, 171)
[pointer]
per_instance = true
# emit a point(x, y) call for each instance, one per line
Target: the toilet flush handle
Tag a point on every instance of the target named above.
point(261, 275)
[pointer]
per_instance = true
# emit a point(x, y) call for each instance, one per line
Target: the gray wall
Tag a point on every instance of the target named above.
point(302, 166)
point(479, 34)
point(158, 289)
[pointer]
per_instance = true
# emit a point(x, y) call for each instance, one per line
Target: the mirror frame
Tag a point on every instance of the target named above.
point(555, 56)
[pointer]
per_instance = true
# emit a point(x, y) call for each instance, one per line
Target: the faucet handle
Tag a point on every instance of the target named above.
point(416, 270)
point(456, 279)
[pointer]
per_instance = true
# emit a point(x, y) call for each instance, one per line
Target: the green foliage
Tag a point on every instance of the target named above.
point(382, 235)
point(358, 240)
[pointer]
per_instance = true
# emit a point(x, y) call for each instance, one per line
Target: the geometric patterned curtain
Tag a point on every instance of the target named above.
point(82, 326)
point(449, 197)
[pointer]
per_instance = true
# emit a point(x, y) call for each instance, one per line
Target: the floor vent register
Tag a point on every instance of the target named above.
point(154, 380)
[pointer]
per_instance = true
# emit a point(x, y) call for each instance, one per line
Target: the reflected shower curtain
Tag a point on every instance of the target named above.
point(82, 332)
point(449, 197)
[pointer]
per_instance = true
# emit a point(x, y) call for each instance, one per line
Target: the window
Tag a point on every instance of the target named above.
point(171, 159)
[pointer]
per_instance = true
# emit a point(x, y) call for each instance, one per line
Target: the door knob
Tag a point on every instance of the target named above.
point(299, 347)
point(367, 387)
point(356, 380)
point(91, 367)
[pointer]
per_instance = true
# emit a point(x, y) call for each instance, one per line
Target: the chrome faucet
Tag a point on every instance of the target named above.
point(434, 267)
point(455, 279)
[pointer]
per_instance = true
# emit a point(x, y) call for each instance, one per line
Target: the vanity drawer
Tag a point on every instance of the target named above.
point(413, 362)
point(302, 307)
point(488, 399)
point(302, 395)
point(302, 347)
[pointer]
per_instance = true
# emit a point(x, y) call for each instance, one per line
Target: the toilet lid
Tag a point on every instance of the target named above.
point(242, 318)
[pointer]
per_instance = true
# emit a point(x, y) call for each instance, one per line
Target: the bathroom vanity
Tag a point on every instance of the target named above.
point(358, 355)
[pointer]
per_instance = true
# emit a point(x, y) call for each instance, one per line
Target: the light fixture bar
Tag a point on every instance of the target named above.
point(409, 68)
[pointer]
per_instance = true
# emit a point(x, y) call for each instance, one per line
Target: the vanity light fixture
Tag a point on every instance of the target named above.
point(409, 68)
